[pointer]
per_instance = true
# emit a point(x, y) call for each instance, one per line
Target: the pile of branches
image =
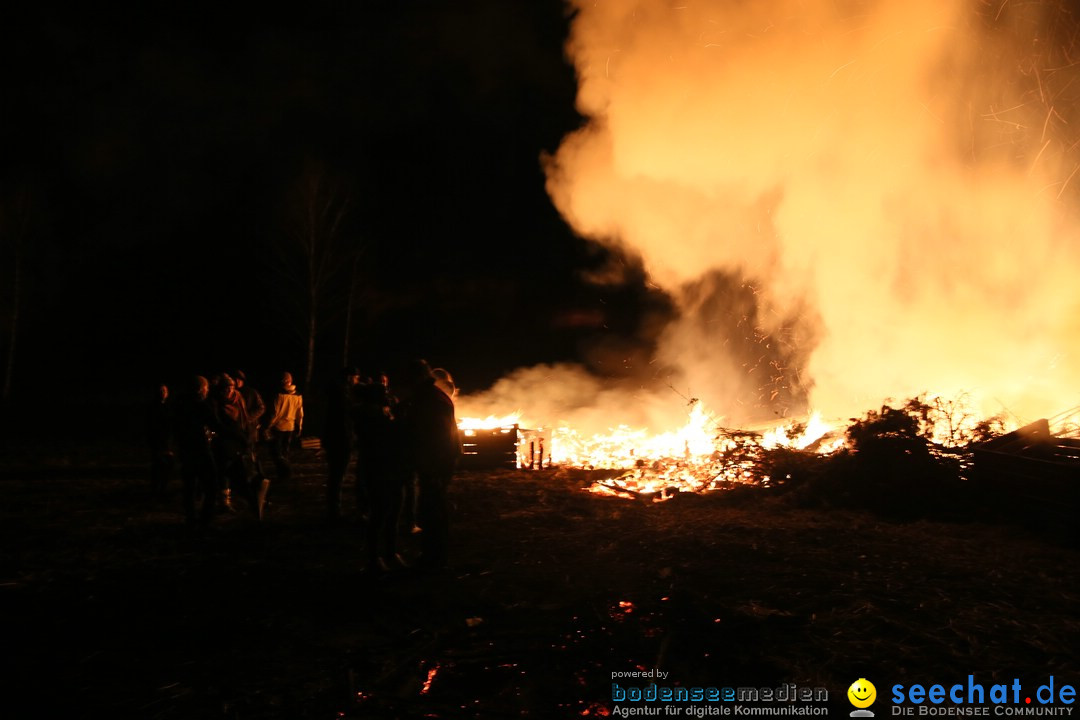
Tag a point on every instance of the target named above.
point(891, 463)
point(904, 462)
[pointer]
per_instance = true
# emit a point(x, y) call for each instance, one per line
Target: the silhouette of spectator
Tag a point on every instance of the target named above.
point(232, 440)
point(195, 426)
point(339, 436)
point(258, 483)
point(159, 439)
point(380, 470)
point(445, 382)
point(285, 423)
point(433, 448)
point(253, 403)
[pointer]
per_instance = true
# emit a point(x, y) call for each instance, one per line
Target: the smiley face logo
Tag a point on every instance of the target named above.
point(862, 693)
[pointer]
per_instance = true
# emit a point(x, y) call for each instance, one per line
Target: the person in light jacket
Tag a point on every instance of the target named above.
point(285, 423)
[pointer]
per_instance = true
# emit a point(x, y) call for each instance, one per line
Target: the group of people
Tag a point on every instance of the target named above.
point(213, 430)
point(405, 442)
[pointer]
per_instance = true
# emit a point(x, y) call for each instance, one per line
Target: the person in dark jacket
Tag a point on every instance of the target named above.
point(159, 439)
point(339, 437)
point(381, 469)
point(258, 483)
point(232, 439)
point(433, 447)
point(253, 403)
point(195, 426)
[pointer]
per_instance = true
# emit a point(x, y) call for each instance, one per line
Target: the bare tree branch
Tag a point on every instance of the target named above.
point(313, 259)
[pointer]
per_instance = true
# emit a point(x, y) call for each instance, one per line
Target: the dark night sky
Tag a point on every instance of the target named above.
point(159, 159)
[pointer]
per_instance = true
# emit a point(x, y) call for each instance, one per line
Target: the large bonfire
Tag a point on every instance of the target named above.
point(844, 202)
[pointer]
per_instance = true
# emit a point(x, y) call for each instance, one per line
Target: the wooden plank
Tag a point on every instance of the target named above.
point(1036, 433)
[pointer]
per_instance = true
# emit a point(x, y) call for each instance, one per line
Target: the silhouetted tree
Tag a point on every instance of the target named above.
point(315, 258)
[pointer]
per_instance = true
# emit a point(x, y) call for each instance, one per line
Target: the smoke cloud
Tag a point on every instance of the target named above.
point(848, 200)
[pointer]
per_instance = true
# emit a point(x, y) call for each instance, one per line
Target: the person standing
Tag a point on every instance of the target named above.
point(253, 403)
point(196, 427)
point(231, 442)
point(286, 422)
point(339, 437)
point(433, 448)
point(259, 484)
point(381, 470)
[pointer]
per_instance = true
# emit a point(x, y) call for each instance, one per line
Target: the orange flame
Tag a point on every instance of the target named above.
point(692, 458)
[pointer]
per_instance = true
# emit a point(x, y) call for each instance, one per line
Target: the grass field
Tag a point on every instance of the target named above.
point(111, 609)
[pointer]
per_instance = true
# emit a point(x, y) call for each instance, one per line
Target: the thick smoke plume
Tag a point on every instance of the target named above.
point(893, 182)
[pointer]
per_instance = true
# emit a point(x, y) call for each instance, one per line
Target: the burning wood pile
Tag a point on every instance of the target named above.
point(720, 459)
point(699, 457)
point(913, 460)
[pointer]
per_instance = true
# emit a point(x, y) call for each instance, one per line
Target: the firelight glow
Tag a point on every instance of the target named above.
point(489, 422)
point(846, 202)
point(697, 457)
point(897, 178)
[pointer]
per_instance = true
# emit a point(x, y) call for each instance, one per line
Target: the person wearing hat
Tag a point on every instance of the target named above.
point(445, 382)
point(285, 423)
point(434, 447)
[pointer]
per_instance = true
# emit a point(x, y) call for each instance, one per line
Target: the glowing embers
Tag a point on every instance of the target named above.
point(431, 673)
point(699, 457)
point(623, 446)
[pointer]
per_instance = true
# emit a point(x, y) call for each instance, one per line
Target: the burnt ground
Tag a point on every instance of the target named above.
point(110, 609)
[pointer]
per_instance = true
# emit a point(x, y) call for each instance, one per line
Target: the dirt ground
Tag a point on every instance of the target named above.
point(111, 609)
